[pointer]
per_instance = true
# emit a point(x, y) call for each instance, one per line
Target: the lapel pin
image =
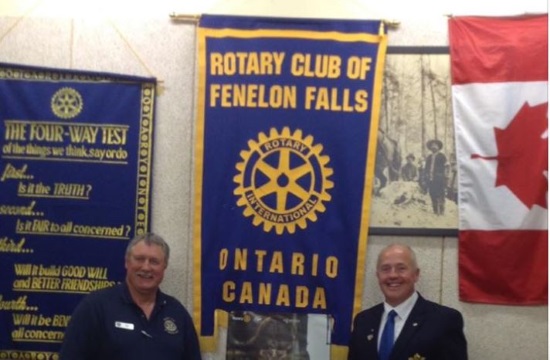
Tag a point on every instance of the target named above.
point(369, 337)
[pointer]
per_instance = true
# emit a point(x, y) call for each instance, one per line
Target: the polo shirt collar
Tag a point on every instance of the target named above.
point(160, 299)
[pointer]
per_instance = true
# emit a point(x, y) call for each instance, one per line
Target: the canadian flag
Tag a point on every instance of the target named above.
point(499, 70)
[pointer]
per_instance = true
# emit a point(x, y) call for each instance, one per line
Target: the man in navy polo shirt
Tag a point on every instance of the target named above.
point(133, 320)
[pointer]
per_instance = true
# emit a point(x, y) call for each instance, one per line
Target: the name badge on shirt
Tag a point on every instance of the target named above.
point(123, 325)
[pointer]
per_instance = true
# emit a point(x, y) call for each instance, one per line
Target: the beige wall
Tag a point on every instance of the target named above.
point(140, 39)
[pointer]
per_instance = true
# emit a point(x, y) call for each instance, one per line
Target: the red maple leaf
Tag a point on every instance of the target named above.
point(523, 155)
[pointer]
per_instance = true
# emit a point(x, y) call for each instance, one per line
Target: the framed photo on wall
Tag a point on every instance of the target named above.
point(415, 184)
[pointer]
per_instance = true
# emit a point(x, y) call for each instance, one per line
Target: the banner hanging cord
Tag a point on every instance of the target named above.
point(160, 83)
point(71, 57)
point(29, 11)
point(38, 2)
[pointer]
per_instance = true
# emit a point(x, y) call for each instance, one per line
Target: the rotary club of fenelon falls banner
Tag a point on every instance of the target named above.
point(285, 137)
point(75, 186)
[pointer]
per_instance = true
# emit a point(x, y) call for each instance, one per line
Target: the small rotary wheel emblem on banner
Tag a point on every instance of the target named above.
point(283, 180)
point(67, 103)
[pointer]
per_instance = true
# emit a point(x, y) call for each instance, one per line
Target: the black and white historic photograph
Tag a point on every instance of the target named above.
point(415, 184)
point(270, 336)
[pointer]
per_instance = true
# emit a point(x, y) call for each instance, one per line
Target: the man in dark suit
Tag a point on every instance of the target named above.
point(422, 330)
point(436, 175)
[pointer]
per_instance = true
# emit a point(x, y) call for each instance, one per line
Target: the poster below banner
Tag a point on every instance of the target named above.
point(277, 336)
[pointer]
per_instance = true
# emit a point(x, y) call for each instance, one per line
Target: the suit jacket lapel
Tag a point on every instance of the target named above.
point(377, 313)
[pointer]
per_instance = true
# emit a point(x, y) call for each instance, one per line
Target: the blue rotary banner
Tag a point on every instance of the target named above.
point(75, 186)
point(285, 145)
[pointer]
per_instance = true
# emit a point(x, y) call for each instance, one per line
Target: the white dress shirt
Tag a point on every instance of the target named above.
point(403, 310)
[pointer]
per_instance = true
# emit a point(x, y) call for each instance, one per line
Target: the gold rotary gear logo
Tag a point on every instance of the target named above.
point(67, 103)
point(247, 318)
point(283, 180)
point(170, 326)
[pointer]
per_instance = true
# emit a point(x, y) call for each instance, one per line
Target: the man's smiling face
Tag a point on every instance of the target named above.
point(397, 274)
point(145, 266)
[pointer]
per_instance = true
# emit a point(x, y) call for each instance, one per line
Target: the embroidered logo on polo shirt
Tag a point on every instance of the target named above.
point(170, 326)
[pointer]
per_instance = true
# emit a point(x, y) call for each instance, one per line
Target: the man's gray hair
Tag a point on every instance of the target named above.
point(149, 239)
point(403, 246)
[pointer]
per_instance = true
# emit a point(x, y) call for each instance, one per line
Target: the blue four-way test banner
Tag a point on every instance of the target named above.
point(75, 186)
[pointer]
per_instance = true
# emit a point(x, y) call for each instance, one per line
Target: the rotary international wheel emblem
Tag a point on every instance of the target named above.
point(67, 103)
point(283, 180)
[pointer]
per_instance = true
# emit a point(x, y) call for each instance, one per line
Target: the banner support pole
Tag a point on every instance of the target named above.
point(194, 18)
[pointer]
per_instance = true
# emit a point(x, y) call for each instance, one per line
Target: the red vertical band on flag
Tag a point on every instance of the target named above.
point(499, 70)
point(503, 267)
point(485, 50)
